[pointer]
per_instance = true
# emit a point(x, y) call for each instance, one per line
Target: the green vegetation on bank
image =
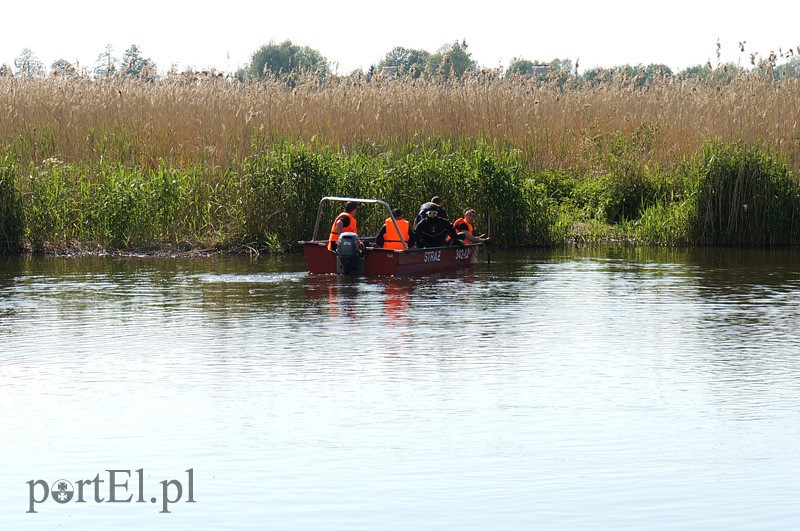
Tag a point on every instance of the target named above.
point(727, 194)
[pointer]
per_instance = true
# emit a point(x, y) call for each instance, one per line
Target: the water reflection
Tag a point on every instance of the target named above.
point(396, 303)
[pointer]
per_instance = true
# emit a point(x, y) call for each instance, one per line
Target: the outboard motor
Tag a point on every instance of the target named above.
point(348, 255)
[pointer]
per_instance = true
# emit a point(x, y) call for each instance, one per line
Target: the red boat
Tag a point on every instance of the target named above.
point(376, 261)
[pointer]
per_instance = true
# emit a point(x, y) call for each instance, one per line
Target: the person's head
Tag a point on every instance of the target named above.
point(470, 214)
point(438, 200)
point(397, 213)
point(350, 207)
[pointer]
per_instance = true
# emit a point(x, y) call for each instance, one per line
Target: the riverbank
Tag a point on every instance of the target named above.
point(75, 250)
point(122, 166)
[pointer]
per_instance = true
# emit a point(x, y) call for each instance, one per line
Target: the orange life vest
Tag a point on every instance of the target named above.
point(392, 240)
point(465, 222)
point(349, 228)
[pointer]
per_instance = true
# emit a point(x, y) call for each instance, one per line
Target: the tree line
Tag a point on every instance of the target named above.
point(132, 64)
point(288, 61)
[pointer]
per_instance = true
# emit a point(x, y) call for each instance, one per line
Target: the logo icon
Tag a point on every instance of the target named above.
point(62, 491)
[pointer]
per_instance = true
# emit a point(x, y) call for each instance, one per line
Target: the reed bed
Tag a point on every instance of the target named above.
point(126, 163)
point(185, 121)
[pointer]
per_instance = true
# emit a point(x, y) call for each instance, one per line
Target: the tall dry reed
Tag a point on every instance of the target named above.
point(218, 122)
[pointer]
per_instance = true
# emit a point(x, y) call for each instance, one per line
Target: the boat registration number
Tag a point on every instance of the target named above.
point(433, 256)
point(462, 254)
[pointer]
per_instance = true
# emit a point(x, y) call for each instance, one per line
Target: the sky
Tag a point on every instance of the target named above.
point(355, 34)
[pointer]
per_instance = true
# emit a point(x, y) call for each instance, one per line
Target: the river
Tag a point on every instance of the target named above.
point(584, 388)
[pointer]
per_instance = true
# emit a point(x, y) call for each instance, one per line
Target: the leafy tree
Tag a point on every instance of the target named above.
point(564, 65)
point(790, 68)
point(656, 71)
point(28, 65)
point(106, 64)
point(638, 76)
point(407, 60)
point(696, 72)
point(285, 59)
point(5, 71)
point(727, 72)
point(451, 59)
point(561, 71)
point(594, 77)
point(723, 74)
point(133, 65)
point(526, 66)
point(62, 68)
point(557, 71)
point(641, 76)
point(519, 66)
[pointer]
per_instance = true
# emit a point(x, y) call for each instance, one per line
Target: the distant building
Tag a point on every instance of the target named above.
point(539, 70)
point(389, 71)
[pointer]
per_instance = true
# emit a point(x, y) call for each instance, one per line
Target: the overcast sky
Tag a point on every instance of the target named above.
point(356, 33)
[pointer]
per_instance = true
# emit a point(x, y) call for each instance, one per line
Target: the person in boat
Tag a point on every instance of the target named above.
point(464, 228)
point(344, 222)
point(388, 238)
point(436, 203)
point(435, 231)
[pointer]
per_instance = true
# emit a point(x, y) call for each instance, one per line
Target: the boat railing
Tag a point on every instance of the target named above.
point(355, 200)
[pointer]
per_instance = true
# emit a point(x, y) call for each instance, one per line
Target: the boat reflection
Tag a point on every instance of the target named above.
point(396, 303)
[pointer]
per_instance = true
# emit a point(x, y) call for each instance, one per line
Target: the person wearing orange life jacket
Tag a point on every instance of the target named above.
point(464, 228)
point(388, 237)
point(344, 222)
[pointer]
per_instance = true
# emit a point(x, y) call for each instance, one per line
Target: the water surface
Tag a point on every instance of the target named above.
point(619, 389)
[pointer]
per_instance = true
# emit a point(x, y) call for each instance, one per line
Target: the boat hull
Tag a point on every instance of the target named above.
point(385, 262)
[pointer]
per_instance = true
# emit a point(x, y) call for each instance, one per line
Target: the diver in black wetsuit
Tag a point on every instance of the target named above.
point(436, 203)
point(433, 231)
